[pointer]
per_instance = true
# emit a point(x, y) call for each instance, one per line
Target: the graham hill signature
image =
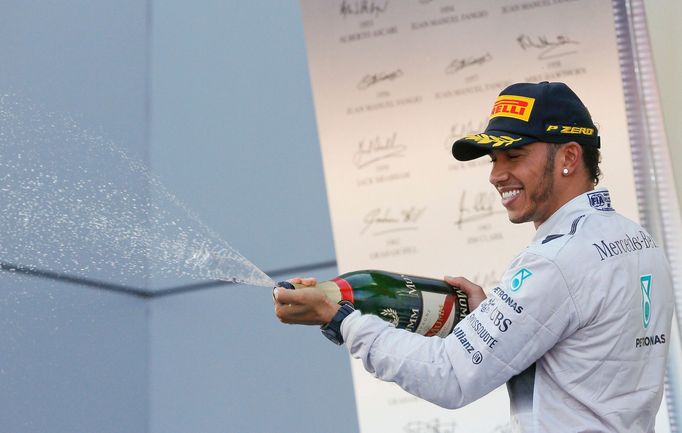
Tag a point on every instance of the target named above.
point(550, 48)
point(458, 64)
point(377, 149)
point(372, 79)
point(363, 7)
point(476, 207)
point(385, 220)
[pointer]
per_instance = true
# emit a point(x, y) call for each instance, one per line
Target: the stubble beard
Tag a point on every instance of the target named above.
point(542, 194)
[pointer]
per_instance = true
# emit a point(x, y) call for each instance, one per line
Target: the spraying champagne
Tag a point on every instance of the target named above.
point(426, 306)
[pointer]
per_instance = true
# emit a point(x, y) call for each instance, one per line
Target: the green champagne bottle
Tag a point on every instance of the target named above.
point(423, 305)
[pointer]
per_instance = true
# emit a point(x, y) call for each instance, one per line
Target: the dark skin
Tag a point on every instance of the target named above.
point(531, 190)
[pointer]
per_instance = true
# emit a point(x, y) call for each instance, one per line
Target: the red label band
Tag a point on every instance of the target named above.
point(346, 289)
point(443, 317)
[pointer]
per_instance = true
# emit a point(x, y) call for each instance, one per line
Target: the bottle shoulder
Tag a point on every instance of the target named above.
point(379, 279)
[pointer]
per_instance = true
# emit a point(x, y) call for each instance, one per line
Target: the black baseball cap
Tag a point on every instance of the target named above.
point(528, 112)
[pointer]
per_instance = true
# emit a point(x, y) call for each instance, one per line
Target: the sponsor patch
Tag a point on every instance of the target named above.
point(650, 340)
point(500, 322)
point(645, 285)
point(628, 244)
point(600, 200)
point(463, 340)
point(487, 305)
point(477, 357)
point(505, 298)
point(518, 278)
point(481, 331)
point(516, 107)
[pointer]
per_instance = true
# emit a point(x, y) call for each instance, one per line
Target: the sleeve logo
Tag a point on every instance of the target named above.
point(516, 107)
point(517, 279)
point(645, 285)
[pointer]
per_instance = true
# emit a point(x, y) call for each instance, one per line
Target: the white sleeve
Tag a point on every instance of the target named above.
point(522, 318)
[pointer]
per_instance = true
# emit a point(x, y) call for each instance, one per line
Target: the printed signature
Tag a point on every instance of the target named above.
point(550, 48)
point(363, 7)
point(462, 129)
point(377, 149)
point(390, 221)
point(458, 64)
point(479, 206)
point(372, 79)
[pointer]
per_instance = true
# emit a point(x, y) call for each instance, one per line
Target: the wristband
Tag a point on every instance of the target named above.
point(332, 330)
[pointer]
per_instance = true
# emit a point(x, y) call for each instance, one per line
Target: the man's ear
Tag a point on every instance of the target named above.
point(571, 156)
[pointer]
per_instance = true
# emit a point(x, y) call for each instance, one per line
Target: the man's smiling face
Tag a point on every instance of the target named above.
point(525, 179)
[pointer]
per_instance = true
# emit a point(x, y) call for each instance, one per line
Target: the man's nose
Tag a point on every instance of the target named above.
point(498, 173)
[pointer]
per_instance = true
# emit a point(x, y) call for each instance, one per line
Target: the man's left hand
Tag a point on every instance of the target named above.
point(304, 306)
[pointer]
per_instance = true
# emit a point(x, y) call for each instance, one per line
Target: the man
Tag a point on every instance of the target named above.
point(581, 319)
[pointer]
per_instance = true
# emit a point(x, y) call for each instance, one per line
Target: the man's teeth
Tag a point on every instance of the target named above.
point(510, 194)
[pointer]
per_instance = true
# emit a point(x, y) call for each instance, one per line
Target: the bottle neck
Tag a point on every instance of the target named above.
point(335, 290)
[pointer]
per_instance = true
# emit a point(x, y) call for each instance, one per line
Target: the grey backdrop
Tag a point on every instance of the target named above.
point(215, 98)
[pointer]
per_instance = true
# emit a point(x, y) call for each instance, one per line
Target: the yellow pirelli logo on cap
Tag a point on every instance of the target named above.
point(516, 107)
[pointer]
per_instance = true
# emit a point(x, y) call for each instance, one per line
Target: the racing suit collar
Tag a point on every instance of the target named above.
point(561, 220)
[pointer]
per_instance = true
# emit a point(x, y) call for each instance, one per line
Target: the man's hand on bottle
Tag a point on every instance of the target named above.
point(304, 306)
point(474, 292)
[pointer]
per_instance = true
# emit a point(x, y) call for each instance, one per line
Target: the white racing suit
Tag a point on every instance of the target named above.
point(578, 328)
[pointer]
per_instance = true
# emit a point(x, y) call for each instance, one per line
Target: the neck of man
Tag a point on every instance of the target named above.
point(566, 188)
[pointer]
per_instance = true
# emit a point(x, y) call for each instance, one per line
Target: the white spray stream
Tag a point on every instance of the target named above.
point(74, 203)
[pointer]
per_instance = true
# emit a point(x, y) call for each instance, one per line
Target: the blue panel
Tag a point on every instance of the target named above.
point(80, 58)
point(222, 362)
point(73, 359)
point(233, 130)
point(73, 80)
